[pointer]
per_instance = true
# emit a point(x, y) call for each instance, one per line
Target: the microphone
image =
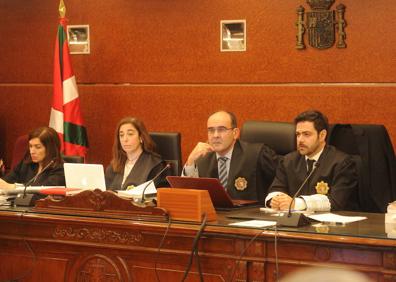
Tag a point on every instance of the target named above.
point(168, 166)
point(29, 200)
point(297, 219)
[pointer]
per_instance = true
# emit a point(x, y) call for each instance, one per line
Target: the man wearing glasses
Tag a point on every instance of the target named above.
point(245, 170)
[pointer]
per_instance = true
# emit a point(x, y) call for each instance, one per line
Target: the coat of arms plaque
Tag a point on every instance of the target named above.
point(321, 24)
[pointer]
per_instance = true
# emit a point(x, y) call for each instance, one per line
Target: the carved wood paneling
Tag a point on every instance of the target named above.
point(97, 268)
point(389, 278)
point(240, 272)
point(295, 252)
point(140, 273)
point(322, 253)
point(390, 260)
point(100, 203)
point(256, 271)
point(97, 234)
point(110, 250)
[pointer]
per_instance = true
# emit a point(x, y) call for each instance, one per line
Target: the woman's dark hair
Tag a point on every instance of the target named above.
point(50, 139)
point(119, 155)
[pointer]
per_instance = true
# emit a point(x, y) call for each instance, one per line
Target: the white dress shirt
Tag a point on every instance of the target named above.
point(316, 202)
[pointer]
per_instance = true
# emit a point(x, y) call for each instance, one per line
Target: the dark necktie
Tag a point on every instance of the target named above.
point(310, 165)
point(223, 174)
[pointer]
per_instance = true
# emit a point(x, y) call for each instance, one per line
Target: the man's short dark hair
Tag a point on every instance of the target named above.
point(233, 119)
point(232, 116)
point(319, 120)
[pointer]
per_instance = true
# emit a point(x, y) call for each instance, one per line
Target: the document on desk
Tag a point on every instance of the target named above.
point(254, 223)
point(3, 200)
point(136, 192)
point(335, 218)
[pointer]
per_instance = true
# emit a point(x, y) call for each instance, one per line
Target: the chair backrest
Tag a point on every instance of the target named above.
point(169, 147)
point(369, 143)
point(20, 149)
point(73, 159)
point(280, 136)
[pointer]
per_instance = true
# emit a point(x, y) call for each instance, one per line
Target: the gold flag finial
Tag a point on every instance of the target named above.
point(62, 9)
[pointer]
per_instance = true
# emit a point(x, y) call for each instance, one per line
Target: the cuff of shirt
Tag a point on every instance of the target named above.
point(190, 170)
point(299, 204)
point(317, 202)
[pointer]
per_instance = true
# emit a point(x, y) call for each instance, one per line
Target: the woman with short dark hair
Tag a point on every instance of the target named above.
point(42, 164)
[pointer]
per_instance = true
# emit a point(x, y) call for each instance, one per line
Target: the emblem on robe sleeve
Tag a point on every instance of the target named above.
point(241, 183)
point(322, 188)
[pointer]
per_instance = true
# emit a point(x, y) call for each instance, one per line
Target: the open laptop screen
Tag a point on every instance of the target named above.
point(84, 176)
point(220, 198)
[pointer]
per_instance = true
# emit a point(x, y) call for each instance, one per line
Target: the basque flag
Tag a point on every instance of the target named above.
point(66, 116)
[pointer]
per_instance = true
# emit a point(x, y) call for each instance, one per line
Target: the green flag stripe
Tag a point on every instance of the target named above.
point(61, 40)
point(75, 134)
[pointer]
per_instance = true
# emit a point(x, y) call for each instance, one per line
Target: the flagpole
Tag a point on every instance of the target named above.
point(66, 117)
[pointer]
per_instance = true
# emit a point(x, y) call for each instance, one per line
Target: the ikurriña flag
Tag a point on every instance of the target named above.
point(66, 116)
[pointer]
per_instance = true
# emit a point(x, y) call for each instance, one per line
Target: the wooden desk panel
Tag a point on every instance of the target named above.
point(75, 248)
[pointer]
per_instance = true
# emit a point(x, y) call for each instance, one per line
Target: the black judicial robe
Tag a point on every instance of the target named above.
point(255, 163)
point(371, 144)
point(24, 172)
point(146, 167)
point(336, 168)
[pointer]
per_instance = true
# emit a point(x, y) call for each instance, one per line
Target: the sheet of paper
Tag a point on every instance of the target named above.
point(335, 218)
point(269, 210)
point(274, 212)
point(254, 223)
point(3, 200)
point(138, 190)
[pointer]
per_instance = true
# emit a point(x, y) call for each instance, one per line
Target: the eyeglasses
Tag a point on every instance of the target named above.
point(220, 130)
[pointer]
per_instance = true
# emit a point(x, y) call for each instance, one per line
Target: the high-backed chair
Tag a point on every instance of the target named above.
point(370, 145)
point(169, 147)
point(73, 159)
point(20, 149)
point(280, 136)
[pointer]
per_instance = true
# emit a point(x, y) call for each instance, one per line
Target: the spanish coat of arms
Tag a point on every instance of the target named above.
point(321, 24)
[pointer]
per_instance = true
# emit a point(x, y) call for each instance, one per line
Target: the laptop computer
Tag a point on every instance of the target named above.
point(84, 176)
point(220, 198)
